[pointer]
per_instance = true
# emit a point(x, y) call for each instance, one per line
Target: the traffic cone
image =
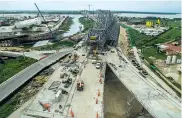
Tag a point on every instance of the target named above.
point(97, 115)
point(71, 112)
point(98, 93)
point(96, 100)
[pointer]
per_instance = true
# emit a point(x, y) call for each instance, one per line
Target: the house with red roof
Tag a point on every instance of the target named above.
point(170, 49)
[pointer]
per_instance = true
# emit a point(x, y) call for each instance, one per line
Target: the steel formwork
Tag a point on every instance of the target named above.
point(106, 30)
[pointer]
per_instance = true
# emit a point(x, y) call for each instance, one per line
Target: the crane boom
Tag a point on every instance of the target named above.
point(44, 20)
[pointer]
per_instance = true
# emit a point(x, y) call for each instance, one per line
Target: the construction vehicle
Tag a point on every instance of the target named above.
point(93, 37)
point(46, 106)
point(80, 85)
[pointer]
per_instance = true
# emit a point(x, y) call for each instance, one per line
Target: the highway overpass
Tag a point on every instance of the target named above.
point(32, 54)
point(158, 102)
point(12, 84)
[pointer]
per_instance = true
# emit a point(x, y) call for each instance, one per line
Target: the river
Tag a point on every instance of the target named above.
point(75, 27)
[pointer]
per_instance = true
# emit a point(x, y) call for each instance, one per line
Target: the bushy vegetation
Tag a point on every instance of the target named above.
point(169, 35)
point(13, 66)
point(66, 25)
point(7, 108)
point(87, 23)
point(135, 37)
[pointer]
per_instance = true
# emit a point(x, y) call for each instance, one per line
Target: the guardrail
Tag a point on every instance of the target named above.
point(12, 84)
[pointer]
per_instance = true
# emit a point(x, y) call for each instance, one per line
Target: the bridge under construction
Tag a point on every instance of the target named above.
point(60, 96)
point(105, 31)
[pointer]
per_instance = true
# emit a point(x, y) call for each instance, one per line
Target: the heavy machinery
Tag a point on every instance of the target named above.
point(45, 106)
point(80, 85)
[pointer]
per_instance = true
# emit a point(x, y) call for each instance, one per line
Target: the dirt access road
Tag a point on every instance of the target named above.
point(123, 41)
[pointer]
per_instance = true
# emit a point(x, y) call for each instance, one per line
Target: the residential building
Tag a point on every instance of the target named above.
point(170, 49)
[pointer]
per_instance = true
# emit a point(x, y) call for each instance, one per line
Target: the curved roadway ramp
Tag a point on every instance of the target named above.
point(12, 84)
point(32, 54)
point(158, 102)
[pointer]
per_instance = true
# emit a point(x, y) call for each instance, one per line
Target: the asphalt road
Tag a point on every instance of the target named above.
point(9, 86)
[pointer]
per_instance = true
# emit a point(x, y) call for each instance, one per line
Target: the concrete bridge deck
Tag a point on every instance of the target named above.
point(32, 54)
point(9, 86)
point(156, 101)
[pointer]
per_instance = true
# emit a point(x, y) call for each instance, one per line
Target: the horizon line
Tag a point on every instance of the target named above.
point(162, 12)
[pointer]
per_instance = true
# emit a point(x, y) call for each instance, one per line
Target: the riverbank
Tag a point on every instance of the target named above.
point(87, 23)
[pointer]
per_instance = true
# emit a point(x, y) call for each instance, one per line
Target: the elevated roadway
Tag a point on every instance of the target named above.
point(32, 54)
point(158, 102)
point(12, 84)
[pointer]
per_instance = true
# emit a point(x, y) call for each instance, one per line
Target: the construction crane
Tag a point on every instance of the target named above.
point(44, 20)
point(89, 7)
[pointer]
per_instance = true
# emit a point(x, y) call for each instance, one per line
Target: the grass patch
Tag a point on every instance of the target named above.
point(13, 66)
point(87, 23)
point(174, 23)
point(139, 40)
point(7, 108)
point(169, 35)
point(135, 37)
point(152, 52)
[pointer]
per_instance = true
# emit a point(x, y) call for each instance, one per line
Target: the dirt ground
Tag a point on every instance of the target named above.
point(123, 41)
point(116, 97)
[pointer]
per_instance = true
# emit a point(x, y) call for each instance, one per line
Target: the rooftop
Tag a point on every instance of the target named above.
point(173, 47)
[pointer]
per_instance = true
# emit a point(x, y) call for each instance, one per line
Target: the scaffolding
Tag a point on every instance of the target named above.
point(105, 31)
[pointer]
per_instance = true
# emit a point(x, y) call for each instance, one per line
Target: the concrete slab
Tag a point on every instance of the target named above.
point(156, 101)
point(86, 100)
point(49, 96)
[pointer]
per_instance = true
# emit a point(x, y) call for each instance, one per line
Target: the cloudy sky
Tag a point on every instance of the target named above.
point(123, 5)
